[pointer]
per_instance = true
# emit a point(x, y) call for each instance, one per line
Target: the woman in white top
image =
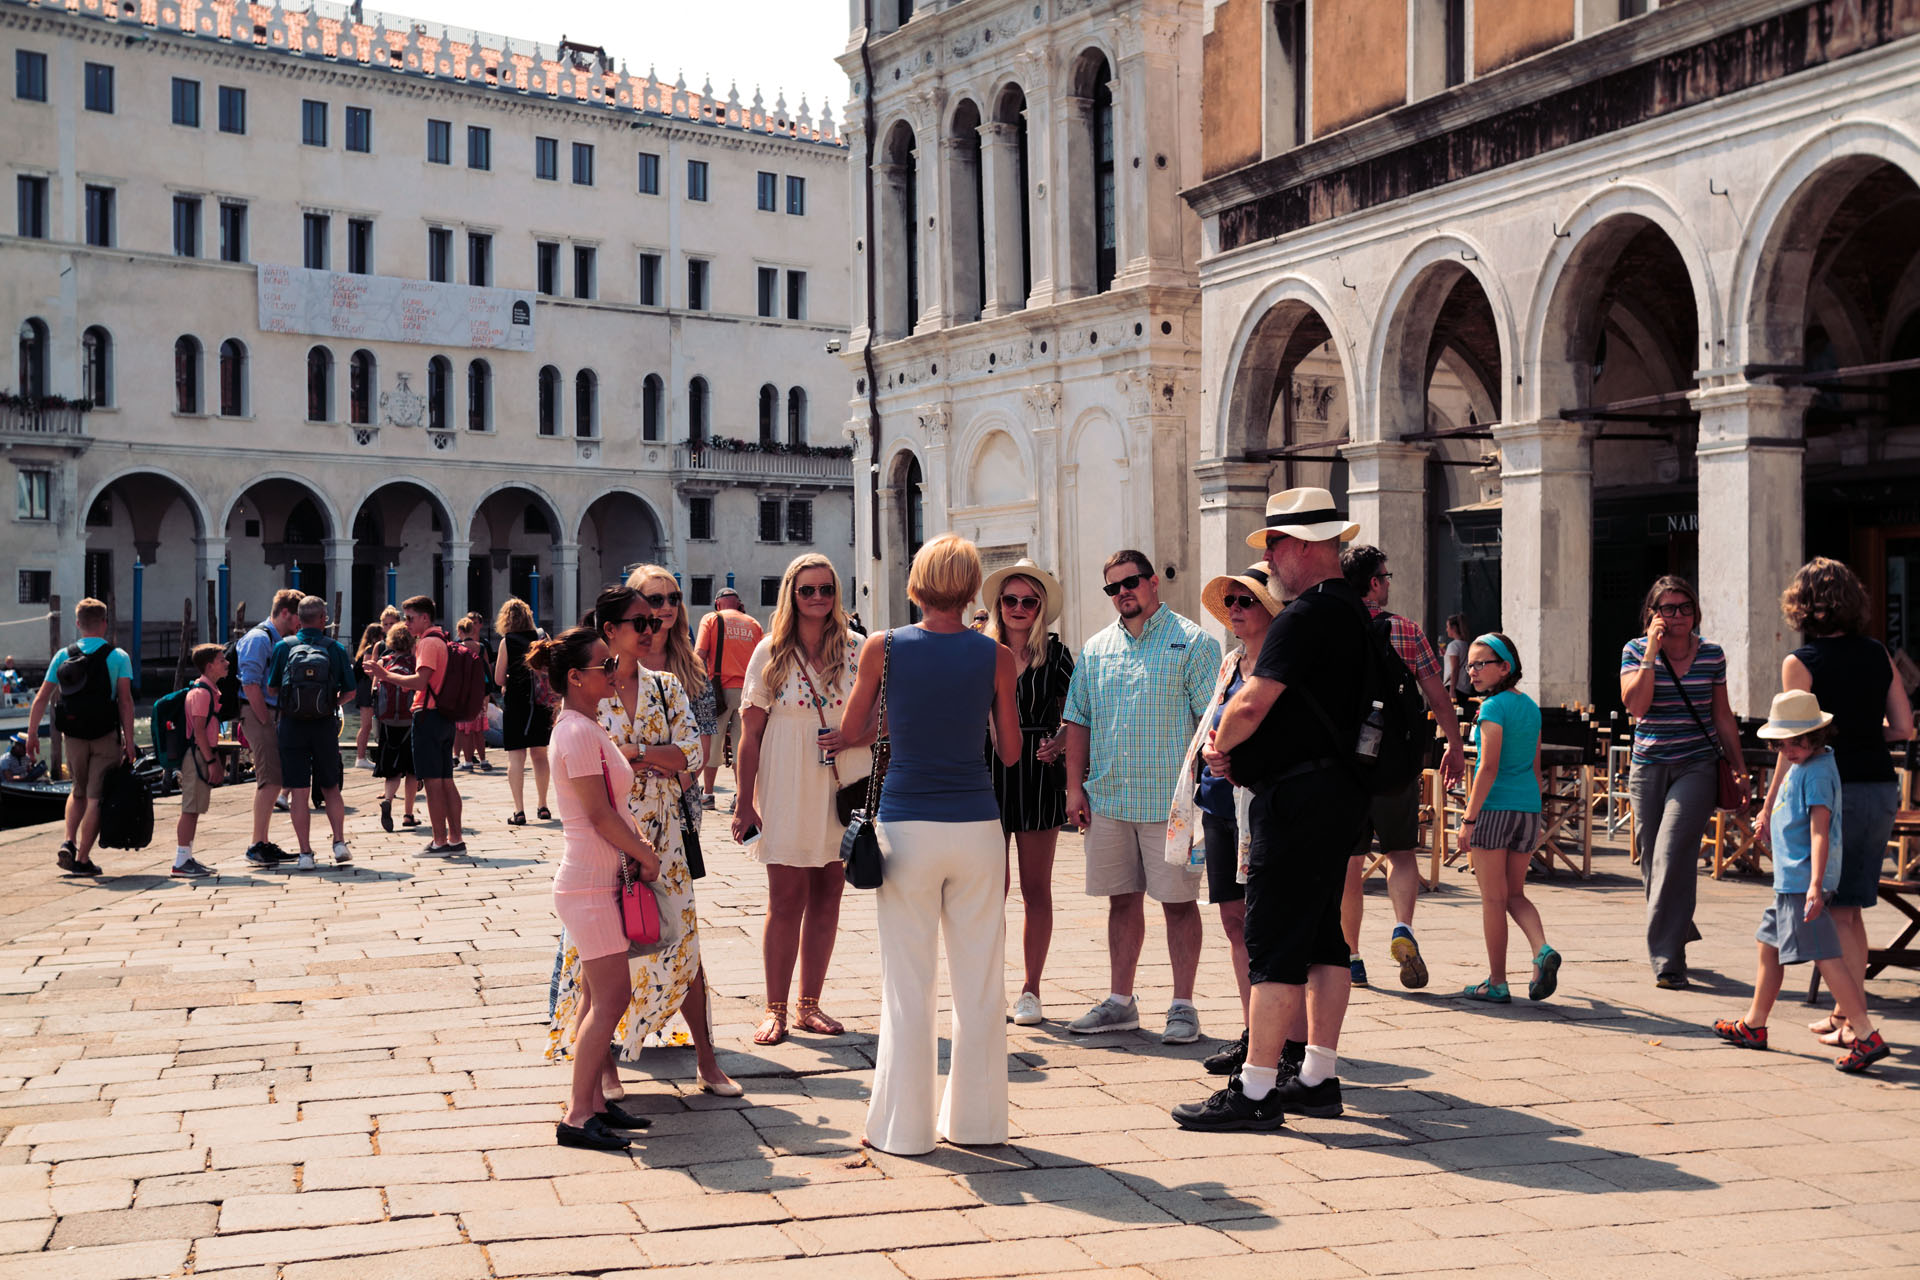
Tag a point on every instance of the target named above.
point(797, 684)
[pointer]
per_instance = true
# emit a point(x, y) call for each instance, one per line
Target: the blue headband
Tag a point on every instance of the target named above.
point(1499, 647)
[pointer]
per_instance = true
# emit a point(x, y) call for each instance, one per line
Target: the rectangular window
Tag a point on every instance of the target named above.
point(800, 520)
point(649, 279)
point(100, 216)
point(546, 266)
point(31, 490)
point(316, 231)
point(29, 75)
point(439, 255)
point(479, 259)
point(769, 292)
point(479, 147)
point(186, 226)
point(99, 87)
point(360, 246)
point(767, 191)
point(313, 123)
point(769, 519)
point(360, 129)
point(649, 174)
point(583, 164)
point(186, 103)
point(796, 195)
point(583, 271)
point(696, 179)
point(36, 586)
point(796, 295)
point(439, 142)
point(769, 592)
point(233, 232)
point(700, 522)
point(701, 590)
point(233, 109)
point(33, 207)
point(696, 284)
point(546, 159)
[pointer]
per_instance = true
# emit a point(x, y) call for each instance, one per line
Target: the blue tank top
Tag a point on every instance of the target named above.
point(939, 700)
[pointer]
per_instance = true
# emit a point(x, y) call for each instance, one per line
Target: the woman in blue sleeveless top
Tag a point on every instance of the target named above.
point(939, 829)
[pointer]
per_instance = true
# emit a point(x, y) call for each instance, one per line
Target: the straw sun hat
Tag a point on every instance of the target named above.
point(1306, 514)
point(1253, 578)
point(1025, 568)
point(1793, 713)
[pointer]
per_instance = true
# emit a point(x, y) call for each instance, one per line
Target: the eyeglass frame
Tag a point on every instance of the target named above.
point(1129, 583)
point(808, 591)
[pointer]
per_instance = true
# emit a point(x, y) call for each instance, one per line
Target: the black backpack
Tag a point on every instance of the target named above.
point(1406, 741)
point(89, 704)
point(126, 809)
point(307, 690)
point(232, 694)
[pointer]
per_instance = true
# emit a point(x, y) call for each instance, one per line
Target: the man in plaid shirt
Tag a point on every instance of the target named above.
point(1396, 818)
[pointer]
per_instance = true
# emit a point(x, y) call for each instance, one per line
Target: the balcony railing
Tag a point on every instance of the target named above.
point(53, 424)
point(774, 466)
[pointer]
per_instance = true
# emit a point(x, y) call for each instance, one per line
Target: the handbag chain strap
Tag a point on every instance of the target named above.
point(884, 739)
point(1711, 736)
point(814, 696)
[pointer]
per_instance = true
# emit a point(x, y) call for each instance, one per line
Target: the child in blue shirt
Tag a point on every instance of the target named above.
point(1804, 831)
point(1502, 827)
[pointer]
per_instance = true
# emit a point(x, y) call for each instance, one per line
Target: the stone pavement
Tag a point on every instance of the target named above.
point(339, 1074)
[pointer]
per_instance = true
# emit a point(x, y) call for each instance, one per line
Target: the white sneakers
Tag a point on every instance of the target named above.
point(1027, 1011)
point(305, 863)
point(341, 853)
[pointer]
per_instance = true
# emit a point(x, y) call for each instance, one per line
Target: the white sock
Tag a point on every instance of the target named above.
point(183, 855)
point(1319, 1065)
point(1402, 924)
point(1117, 998)
point(1178, 1003)
point(1257, 1082)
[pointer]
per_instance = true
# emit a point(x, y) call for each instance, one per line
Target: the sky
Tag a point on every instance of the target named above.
point(775, 45)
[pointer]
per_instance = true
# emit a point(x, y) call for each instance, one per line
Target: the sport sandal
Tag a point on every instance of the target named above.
point(1865, 1053)
point(1737, 1033)
point(1490, 991)
point(1547, 960)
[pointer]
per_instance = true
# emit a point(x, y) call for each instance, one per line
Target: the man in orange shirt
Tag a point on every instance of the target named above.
point(432, 731)
point(726, 641)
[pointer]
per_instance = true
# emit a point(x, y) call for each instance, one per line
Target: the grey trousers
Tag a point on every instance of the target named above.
point(1672, 804)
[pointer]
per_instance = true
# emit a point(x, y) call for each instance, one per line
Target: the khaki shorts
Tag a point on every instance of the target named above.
point(196, 793)
point(726, 721)
point(1131, 857)
point(263, 743)
point(88, 760)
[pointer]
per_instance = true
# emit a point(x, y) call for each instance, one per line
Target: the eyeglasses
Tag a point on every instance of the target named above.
point(824, 591)
point(1019, 602)
point(670, 598)
point(1239, 602)
point(1384, 575)
point(646, 624)
point(1682, 610)
point(1485, 662)
point(1127, 583)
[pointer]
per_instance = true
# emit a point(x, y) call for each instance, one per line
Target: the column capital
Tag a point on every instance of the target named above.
point(934, 421)
point(1386, 466)
point(337, 548)
point(1549, 445)
point(452, 550)
point(996, 133)
point(566, 552)
point(1222, 476)
point(1750, 415)
point(1043, 400)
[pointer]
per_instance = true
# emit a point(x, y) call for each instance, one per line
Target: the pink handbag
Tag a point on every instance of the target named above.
point(639, 901)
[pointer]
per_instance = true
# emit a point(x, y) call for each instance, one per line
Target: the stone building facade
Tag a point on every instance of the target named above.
point(350, 299)
point(1665, 260)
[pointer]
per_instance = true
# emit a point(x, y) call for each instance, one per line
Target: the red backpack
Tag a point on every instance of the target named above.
point(463, 688)
point(392, 704)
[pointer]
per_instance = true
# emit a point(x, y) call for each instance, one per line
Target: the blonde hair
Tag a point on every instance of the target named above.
point(399, 639)
point(945, 574)
point(783, 631)
point(1035, 656)
point(465, 628)
point(514, 616)
point(683, 661)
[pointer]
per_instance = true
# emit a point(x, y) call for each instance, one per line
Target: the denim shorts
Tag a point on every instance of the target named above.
point(1866, 824)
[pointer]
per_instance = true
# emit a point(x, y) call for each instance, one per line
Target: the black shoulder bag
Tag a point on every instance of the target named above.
point(860, 846)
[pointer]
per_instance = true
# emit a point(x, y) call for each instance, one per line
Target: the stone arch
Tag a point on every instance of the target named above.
point(902, 527)
point(982, 433)
point(539, 495)
point(202, 517)
point(1258, 359)
point(382, 538)
point(611, 538)
point(151, 515)
point(329, 511)
point(1400, 361)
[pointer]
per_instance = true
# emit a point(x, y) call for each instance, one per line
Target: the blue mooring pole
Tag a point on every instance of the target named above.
point(226, 604)
point(293, 578)
point(139, 576)
point(393, 586)
point(533, 590)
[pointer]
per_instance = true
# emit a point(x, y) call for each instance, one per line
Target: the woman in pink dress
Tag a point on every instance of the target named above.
point(591, 771)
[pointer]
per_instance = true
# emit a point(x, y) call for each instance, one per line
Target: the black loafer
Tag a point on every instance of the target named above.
point(616, 1117)
point(591, 1136)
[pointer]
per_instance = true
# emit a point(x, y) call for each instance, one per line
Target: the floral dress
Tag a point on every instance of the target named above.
point(662, 717)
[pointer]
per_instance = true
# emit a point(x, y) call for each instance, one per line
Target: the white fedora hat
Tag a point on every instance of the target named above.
point(1793, 713)
point(1025, 568)
point(1306, 514)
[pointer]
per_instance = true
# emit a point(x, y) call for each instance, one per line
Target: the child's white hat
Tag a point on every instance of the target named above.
point(1793, 713)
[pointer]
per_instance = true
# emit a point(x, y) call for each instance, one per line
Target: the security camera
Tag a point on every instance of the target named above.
point(833, 346)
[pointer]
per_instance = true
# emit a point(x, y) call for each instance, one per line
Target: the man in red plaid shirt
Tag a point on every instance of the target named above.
point(1395, 819)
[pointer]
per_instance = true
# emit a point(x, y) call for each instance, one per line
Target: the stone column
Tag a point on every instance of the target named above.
point(888, 243)
point(209, 554)
point(1043, 403)
point(861, 585)
point(1546, 533)
point(454, 558)
point(962, 280)
point(1149, 114)
point(1073, 197)
point(936, 493)
point(1752, 528)
point(1043, 175)
point(566, 583)
point(339, 556)
point(889, 573)
point(1233, 503)
point(930, 216)
point(1000, 196)
point(1387, 497)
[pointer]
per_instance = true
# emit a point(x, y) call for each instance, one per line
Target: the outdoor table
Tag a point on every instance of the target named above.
point(1903, 896)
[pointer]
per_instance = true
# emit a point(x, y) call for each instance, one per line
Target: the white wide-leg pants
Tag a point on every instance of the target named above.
point(941, 877)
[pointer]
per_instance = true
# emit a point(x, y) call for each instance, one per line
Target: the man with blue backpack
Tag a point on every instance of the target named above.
point(90, 683)
point(311, 675)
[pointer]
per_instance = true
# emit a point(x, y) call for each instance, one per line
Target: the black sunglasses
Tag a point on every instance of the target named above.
point(670, 598)
point(645, 624)
point(808, 592)
point(1019, 602)
point(1238, 602)
point(1127, 583)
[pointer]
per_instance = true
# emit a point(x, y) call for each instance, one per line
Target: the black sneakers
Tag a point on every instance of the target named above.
point(1229, 1111)
point(1229, 1058)
point(1321, 1101)
point(266, 854)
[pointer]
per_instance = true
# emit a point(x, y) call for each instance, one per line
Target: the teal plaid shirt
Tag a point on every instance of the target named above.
point(1140, 701)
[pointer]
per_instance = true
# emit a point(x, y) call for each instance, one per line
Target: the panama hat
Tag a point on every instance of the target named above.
point(1306, 514)
point(1025, 568)
point(1254, 578)
point(1793, 713)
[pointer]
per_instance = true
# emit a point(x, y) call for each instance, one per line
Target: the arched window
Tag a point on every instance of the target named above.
point(652, 392)
point(319, 385)
point(586, 395)
point(1105, 237)
point(1011, 271)
point(360, 383)
point(33, 358)
point(549, 401)
point(96, 360)
point(966, 224)
point(479, 396)
point(233, 378)
point(796, 416)
point(186, 374)
point(900, 233)
point(697, 410)
point(439, 393)
point(769, 413)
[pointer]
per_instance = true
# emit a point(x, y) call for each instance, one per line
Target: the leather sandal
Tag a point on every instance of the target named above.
point(773, 1029)
point(812, 1019)
point(519, 818)
point(545, 814)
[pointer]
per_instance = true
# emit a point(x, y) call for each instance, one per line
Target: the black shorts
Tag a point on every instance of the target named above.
point(309, 753)
point(1395, 819)
point(432, 745)
point(1223, 858)
point(1304, 831)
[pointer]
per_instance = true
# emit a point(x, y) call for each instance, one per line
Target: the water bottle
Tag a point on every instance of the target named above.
point(1197, 853)
point(1371, 732)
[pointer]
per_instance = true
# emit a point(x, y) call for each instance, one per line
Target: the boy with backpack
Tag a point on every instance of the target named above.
point(313, 676)
point(197, 739)
point(449, 685)
point(90, 683)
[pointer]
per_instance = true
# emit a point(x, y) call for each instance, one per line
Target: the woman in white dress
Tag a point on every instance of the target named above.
point(797, 684)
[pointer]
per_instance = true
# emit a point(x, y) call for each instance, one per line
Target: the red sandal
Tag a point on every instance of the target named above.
point(1863, 1054)
point(1737, 1033)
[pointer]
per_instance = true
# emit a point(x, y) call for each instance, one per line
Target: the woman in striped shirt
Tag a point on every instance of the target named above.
point(1674, 685)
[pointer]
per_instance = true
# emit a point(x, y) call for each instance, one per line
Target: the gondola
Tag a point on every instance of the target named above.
point(25, 802)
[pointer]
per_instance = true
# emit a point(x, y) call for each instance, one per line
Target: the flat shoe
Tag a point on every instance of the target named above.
point(619, 1118)
point(723, 1089)
point(592, 1136)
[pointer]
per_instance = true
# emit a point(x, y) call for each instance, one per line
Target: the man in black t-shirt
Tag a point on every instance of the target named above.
point(1289, 735)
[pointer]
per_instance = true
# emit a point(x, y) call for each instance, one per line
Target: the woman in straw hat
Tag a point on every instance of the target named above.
point(1023, 602)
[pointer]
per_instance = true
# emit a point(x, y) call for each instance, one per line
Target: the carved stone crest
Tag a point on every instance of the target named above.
point(403, 408)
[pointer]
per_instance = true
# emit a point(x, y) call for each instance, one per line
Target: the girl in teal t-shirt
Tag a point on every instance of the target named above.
point(1502, 827)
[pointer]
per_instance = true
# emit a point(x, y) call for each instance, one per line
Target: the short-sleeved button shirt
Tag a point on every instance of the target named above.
point(1139, 701)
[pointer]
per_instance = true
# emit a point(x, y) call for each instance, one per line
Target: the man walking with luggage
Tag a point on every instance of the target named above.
point(312, 675)
point(726, 640)
point(90, 683)
point(259, 720)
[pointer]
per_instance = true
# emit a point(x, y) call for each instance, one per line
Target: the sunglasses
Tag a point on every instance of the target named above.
point(645, 624)
point(824, 591)
point(1238, 602)
point(1019, 602)
point(1127, 583)
point(670, 598)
